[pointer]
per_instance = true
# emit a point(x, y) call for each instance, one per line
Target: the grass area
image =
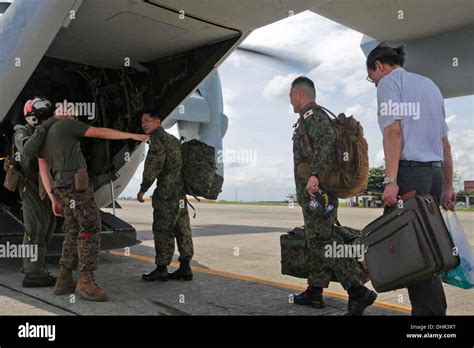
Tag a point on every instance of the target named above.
point(464, 209)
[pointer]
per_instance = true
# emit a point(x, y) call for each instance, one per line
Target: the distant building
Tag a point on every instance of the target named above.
point(466, 199)
point(469, 186)
point(370, 201)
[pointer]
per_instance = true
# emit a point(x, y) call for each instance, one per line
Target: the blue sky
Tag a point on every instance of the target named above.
point(255, 92)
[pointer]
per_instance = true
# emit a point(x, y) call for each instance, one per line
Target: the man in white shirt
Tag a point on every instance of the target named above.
point(411, 116)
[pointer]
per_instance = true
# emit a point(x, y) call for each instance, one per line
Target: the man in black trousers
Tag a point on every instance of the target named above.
point(411, 116)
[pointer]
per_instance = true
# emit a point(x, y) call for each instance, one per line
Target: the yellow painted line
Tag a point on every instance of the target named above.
point(381, 304)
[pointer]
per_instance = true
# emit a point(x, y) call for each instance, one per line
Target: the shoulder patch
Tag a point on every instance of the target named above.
point(308, 113)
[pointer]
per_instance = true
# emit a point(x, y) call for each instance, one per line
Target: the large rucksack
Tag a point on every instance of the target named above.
point(348, 174)
point(199, 170)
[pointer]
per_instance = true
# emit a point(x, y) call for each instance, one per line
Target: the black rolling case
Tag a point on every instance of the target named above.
point(407, 245)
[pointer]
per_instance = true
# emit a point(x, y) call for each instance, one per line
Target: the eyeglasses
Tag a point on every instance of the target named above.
point(369, 79)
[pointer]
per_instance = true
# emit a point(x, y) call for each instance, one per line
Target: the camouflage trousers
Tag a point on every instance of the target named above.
point(82, 226)
point(170, 222)
point(320, 233)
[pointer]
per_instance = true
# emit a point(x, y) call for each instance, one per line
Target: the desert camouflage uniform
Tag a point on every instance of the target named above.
point(170, 214)
point(319, 231)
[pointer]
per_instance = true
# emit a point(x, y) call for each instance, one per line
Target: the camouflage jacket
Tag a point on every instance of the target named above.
point(321, 135)
point(164, 164)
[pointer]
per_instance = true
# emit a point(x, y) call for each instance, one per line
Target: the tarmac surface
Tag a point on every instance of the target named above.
point(236, 271)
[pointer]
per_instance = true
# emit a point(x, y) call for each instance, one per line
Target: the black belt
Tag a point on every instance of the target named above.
point(403, 163)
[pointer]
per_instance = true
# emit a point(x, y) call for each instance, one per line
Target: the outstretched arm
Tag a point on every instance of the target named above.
point(112, 134)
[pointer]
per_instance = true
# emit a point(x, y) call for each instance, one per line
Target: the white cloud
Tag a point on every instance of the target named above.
point(309, 35)
point(229, 96)
point(295, 33)
point(462, 143)
point(278, 88)
point(451, 120)
point(379, 159)
point(355, 110)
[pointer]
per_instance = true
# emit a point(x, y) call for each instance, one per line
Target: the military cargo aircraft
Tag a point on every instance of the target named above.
point(124, 55)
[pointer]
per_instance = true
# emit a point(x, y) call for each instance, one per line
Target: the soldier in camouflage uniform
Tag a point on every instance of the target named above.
point(61, 153)
point(310, 158)
point(38, 218)
point(170, 214)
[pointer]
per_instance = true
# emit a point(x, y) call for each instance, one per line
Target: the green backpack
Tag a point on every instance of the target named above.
point(199, 170)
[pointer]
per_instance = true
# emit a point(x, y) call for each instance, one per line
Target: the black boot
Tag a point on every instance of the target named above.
point(360, 298)
point(183, 272)
point(312, 296)
point(43, 281)
point(36, 273)
point(160, 274)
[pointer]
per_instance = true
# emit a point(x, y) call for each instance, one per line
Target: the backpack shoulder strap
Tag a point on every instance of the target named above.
point(327, 111)
point(302, 130)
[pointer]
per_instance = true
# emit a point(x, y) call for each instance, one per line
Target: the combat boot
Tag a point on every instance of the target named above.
point(360, 298)
point(87, 288)
point(66, 284)
point(312, 296)
point(41, 281)
point(36, 274)
point(160, 273)
point(183, 272)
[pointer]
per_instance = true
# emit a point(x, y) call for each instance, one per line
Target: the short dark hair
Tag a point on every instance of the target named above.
point(384, 53)
point(303, 80)
point(153, 114)
point(306, 82)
